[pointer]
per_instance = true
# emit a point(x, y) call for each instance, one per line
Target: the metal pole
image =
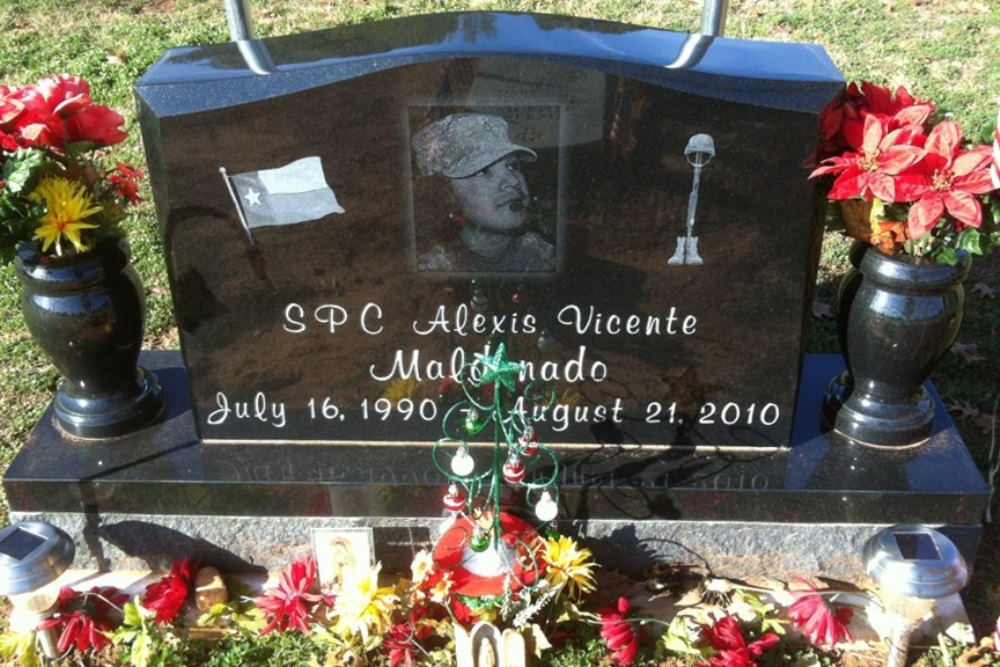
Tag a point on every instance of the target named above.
point(238, 17)
point(713, 17)
point(694, 48)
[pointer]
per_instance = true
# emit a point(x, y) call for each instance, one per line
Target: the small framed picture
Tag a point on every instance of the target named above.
point(342, 553)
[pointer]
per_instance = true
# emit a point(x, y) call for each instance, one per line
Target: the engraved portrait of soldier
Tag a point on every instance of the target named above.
point(490, 226)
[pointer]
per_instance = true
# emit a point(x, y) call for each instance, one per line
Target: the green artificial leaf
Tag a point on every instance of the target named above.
point(20, 646)
point(946, 255)
point(969, 240)
point(765, 612)
point(141, 651)
point(133, 614)
point(22, 169)
point(681, 637)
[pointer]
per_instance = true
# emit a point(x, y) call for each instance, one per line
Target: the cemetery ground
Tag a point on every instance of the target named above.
point(945, 51)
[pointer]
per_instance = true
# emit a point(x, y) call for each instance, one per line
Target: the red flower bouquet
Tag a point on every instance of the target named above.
point(919, 185)
point(56, 195)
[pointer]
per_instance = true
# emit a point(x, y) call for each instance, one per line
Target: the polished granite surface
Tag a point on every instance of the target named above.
point(164, 469)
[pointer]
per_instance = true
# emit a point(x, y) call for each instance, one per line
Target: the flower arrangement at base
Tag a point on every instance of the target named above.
point(58, 195)
point(915, 182)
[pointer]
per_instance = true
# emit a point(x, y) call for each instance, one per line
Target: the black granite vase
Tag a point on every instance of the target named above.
point(840, 386)
point(902, 319)
point(87, 313)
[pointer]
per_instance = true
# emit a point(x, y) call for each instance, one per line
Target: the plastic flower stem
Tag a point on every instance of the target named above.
point(109, 602)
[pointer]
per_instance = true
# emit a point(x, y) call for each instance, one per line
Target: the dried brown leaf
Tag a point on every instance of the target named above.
point(986, 423)
point(963, 409)
point(822, 310)
point(967, 351)
point(983, 290)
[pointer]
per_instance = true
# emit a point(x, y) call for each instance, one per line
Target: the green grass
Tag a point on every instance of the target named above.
point(947, 51)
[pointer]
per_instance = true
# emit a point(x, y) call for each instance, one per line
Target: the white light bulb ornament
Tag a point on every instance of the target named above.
point(462, 464)
point(546, 508)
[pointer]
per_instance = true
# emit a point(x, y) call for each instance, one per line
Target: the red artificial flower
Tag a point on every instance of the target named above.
point(404, 638)
point(11, 109)
point(878, 168)
point(98, 124)
point(950, 178)
point(459, 611)
point(81, 619)
point(898, 108)
point(59, 110)
point(731, 647)
point(38, 126)
point(295, 599)
point(617, 632)
point(124, 181)
point(63, 94)
point(166, 597)
point(824, 624)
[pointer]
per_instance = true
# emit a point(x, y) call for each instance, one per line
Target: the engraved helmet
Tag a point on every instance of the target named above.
point(461, 144)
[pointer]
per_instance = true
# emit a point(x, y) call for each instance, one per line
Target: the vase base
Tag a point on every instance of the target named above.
point(837, 392)
point(871, 422)
point(110, 415)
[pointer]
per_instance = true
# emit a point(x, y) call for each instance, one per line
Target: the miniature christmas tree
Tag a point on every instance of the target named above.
point(489, 550)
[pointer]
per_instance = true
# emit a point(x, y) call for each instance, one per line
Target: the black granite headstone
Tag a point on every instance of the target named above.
point(349, 222)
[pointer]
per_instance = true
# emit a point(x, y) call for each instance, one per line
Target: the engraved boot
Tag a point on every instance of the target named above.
point(678, 257)
point(692, 251)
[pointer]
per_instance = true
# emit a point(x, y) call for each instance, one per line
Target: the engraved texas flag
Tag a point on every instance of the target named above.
point(296, 192)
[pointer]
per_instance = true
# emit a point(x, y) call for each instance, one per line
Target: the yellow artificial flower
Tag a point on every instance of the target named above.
point(568, 564)
point(67, 203)
point(362, 608)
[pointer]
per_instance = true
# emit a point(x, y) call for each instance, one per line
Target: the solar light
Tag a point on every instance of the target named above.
point(916, 567)
point(32, 555)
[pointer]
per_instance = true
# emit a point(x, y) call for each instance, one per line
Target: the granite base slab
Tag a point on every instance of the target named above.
point(246, 544)
point(160, 493)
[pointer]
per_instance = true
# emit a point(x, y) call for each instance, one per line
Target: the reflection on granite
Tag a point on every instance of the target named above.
point(821, 479)
point(305, 60)
point(334, 311)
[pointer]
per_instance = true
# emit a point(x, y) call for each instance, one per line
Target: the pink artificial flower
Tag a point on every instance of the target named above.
point(617, 632)
point(294, 600)
point(949, 180)
point(823, 623)
point(167, 596)
point(731, 647)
